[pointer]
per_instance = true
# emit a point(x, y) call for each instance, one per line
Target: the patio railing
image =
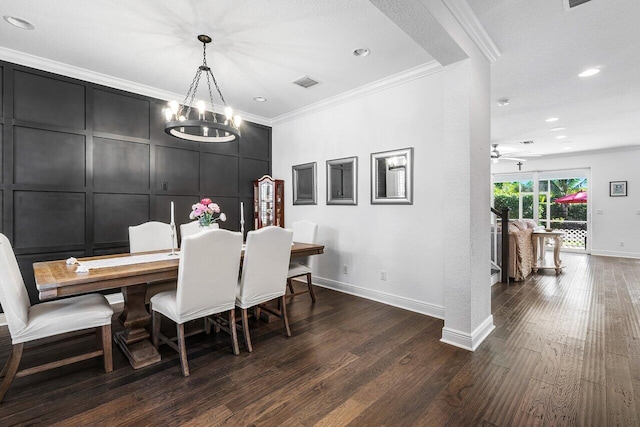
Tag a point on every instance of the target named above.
point(575, 233)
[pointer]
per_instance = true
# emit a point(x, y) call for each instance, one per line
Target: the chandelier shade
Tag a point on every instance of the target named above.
point(207, 126)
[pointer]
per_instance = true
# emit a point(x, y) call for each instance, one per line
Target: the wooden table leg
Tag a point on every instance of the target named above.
point(134, 340)
point(556, 253)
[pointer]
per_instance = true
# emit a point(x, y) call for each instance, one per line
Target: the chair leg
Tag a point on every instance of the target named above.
point(207, 325)
point(234, 332)
point(11, 368)
point(155, 328)
point(313, 295)
point(183, 351)
point(107, 354)
point(290, 285)
point(285, 318)
point(245, 330)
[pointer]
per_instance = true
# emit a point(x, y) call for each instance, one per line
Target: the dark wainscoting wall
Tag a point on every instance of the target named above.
point(82, 162)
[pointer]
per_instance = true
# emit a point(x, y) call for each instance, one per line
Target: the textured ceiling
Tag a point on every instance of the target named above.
point(544, 48)
point(259, 47)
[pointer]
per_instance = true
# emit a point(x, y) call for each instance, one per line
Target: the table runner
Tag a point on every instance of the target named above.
point(130, 260)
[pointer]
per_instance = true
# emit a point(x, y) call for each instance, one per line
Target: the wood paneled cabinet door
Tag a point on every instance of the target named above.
point(268, 202)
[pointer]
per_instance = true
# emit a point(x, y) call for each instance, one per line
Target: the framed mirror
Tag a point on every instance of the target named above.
point(392, 177)
point(342, 181)
point(304, 184)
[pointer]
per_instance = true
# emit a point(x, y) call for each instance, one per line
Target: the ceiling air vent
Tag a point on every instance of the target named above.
point(526, 142)
point(570, 4)
point(306, 82)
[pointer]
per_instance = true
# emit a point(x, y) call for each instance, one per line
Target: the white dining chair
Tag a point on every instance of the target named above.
point(30, 323)
point(303, 232)
point(264, 275)
point(207, 285)
point(194, 227)
point(152, 236)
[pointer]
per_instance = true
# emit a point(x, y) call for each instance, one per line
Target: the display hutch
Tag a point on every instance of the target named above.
point(268, 202)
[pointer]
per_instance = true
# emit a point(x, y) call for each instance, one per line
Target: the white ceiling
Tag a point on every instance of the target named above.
point(260, 47)
point(544, 48)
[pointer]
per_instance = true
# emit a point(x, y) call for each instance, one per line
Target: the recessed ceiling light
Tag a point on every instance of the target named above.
point(552, 119)
point(557, 129)
point(561, 136)
point(363, 51)
point(502, 102)
point(259, 99)
point(19, 22)
point(567, 148)
point(589, 72)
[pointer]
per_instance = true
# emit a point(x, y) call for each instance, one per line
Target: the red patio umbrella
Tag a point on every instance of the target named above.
point(579, 197)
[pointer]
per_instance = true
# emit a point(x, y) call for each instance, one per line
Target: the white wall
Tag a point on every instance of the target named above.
point(620, 217)
point(406, 241)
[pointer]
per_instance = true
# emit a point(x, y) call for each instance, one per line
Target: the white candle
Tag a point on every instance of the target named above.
point(173, 215)
point(241, 212)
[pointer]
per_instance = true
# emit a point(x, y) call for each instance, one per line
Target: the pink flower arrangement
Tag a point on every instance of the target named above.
point(205, 210)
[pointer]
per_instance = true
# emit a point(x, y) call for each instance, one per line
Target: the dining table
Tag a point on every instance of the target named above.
point(131, 273)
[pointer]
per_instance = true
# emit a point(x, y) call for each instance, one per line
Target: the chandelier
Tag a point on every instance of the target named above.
point(180, 123)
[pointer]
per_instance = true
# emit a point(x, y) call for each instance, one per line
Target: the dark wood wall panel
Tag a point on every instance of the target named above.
point(120, 164)
point(251, 170)
point(178, 169)
point(120, 114)
point(215, 170)
point(256, 142)
point(38, 160)
point(48, 100)
point(182, 206)
point(231, 208)
point(48, 219)
point(1, 91)
point(80, 163)
point(115, 213)
point(1, 151)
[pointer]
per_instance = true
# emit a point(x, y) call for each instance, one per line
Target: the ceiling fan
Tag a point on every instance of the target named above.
point(508, 155)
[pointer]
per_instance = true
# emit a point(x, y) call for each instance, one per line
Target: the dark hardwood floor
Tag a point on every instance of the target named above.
point(565, 351)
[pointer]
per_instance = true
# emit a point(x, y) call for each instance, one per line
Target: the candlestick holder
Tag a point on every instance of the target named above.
point(173, 239)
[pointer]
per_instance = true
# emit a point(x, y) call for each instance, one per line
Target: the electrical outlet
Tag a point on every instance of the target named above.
point(599, 211)
point(345, 269)
point(165, 185)
point(383, 275)
point(621, 243)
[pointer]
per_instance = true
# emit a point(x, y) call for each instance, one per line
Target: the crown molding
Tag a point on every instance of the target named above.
point(465, 16)
point(72, 71)
point(362, 91)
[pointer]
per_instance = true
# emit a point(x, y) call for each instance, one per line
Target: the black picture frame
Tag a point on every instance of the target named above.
point(617, 188)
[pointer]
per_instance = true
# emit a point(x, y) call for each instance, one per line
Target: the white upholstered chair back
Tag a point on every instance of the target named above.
point(265, 266)
point(208, 273)
point(304, 231)
point(13, 293)
point(150, 236)
point(193, 227)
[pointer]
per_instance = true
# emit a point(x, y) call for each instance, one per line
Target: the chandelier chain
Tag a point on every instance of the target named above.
point(192, 90)
point(204, 62)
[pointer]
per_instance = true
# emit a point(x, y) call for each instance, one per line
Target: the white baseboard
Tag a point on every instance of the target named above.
point(616, 254)
point(115, 300)
point(432, 310)
point(468, 341)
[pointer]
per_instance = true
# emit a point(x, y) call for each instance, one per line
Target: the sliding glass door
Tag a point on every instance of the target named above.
point(553, 199)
